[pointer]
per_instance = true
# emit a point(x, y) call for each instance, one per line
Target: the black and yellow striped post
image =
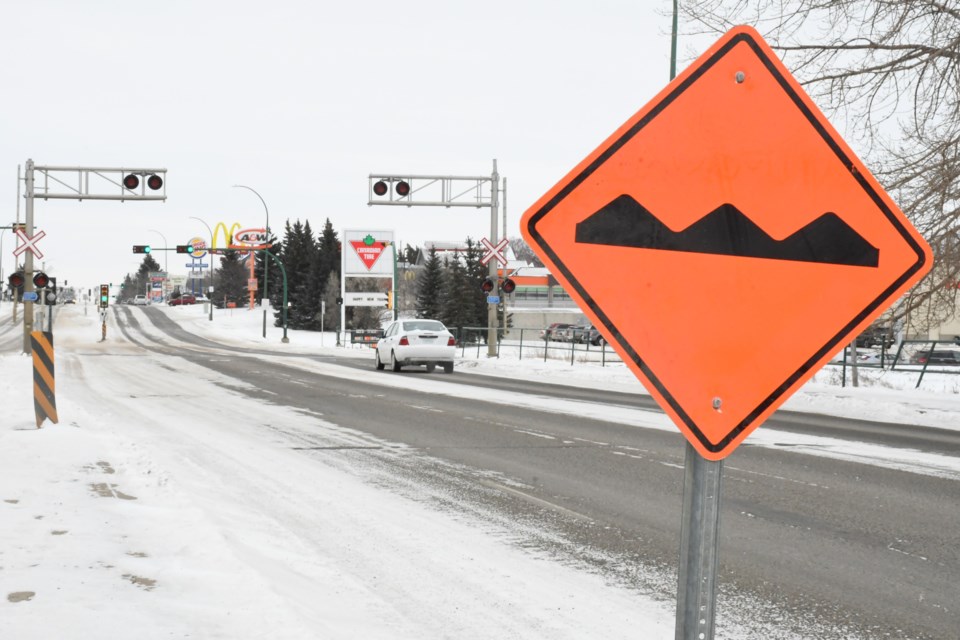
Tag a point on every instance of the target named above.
point(44, 391)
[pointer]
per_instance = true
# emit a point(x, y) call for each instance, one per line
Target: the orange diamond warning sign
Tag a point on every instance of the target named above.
point(727, 241)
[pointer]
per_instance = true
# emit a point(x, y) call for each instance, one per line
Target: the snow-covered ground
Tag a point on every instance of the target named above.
point(149, 512)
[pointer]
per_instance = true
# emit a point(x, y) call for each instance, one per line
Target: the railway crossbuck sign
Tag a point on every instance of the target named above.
point(727, 242)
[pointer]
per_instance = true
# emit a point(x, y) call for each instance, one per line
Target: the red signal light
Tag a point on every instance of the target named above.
point(154, 182)
point(487, 285)
point(508, 286)
point(40, 280)
point(131, 181)
point(16, 280)
point(380, 187)
point(403, 188)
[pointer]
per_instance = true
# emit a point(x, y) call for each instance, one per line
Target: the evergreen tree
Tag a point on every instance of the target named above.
point(127, 291)
point(475, 273)
point(231, 279)
point(327, 261)
point(331, 319)
point(298, 252)
point(143, 274)
point(455, 310)
point(430, 287)
point(411, 255)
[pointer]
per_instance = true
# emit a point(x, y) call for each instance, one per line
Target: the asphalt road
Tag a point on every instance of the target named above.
point(826, 548)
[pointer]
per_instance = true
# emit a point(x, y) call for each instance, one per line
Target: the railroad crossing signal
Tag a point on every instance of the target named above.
point(132, 180)
point(494, 252)
point(29, 243)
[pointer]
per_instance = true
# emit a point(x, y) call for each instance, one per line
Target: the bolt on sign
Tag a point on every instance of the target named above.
point(727, 241)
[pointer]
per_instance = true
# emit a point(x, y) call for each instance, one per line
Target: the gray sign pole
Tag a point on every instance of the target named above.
point(493, 265)
point(700, 521)
point(699, 537)
point(28, 261)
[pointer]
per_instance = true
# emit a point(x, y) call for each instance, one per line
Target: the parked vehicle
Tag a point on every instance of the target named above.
point(141, 300)
point(183, 298)
point(416, 342)
point(875, 357)
point(555, 331)
point(585, 334)
point(938, 357)
point(223, 302)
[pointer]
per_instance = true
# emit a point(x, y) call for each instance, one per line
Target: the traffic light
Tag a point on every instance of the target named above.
point(184, 248)
point(389, 299)
point(401, 187)
point(16, 280)
point(488, 285)
point(50, 297)
point(141, 248)
point(104, 296)
point(40, 280)
point(131, 181)
point(508, 286)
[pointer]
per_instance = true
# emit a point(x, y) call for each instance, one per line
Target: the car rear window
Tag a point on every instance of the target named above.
point(423, 325)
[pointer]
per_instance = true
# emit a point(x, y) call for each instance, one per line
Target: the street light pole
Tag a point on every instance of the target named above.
point(266, 263)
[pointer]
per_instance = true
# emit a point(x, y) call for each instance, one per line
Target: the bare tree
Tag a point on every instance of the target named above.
point(522, 251)
point(890, 71)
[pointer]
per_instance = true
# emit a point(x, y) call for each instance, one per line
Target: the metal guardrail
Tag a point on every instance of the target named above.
point(903, 358)
point(530, 343)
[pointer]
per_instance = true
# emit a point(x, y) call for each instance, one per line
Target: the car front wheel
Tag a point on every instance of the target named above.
point(379, 364)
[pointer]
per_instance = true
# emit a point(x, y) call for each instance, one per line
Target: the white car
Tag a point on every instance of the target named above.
point(141, 300)
point(416, 342)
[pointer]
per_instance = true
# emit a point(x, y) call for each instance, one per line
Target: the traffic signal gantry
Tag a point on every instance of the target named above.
point(80, 183)
point(400, 189)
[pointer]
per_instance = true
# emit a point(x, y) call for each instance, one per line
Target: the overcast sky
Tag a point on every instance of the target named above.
point(302, 100)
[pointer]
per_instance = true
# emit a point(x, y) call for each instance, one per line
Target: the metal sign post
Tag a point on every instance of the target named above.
point(699, 542)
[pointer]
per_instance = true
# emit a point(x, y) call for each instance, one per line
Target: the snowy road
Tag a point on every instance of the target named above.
point(316, 497)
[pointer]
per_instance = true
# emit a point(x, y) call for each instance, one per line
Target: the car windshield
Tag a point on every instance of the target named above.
point(423, 325)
